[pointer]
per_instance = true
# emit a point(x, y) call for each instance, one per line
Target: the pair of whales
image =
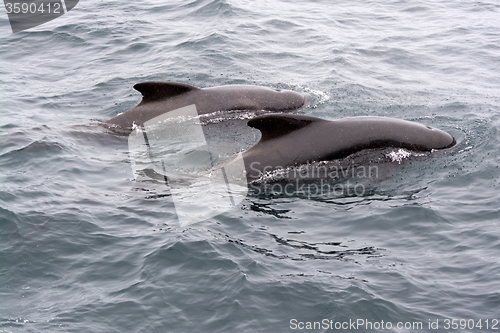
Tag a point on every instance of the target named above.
point(287, 139)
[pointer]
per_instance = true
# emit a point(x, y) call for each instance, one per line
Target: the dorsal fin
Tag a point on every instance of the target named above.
point(156, 90)
point(275, 125)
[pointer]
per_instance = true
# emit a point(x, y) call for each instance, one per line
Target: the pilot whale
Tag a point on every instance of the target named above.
point(292, 140)
point(161, 97)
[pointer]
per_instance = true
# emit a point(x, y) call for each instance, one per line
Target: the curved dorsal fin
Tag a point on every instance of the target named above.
point(156, 90)
point(275, 125)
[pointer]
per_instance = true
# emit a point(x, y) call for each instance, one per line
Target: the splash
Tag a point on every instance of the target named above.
point(399, 155)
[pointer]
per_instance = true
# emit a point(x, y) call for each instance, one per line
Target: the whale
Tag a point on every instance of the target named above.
point(161, 97)
point(292, 140)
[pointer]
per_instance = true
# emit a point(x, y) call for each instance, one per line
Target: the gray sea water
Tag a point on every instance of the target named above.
point(86, 248)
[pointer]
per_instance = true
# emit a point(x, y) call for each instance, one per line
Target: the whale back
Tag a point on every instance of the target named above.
point(158, 90)
point(276, 125)
point(160, 97)
point(290, 140)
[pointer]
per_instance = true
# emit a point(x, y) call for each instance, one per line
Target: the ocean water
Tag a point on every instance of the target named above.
point(86, 248)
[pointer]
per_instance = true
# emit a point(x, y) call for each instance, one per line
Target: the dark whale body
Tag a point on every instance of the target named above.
point(161, 97)
point(291, 140)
